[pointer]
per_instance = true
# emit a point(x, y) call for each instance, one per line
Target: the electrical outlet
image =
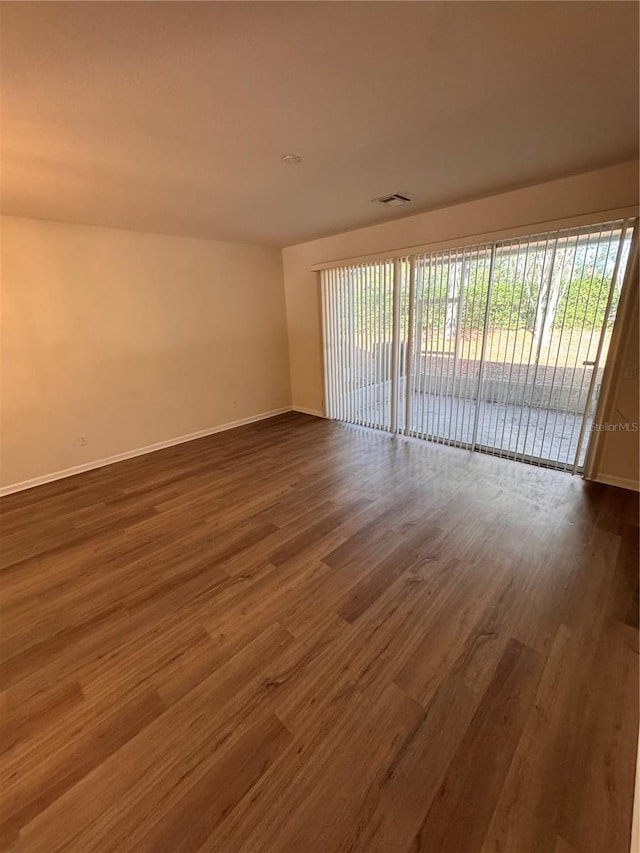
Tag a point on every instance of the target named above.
point(83, 440)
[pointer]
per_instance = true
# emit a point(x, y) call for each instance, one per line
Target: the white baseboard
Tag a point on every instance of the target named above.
point(140, 451)
point(621, 482)
point(314, 412)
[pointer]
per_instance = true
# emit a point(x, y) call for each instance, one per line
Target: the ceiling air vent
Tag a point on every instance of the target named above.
point(393, 200)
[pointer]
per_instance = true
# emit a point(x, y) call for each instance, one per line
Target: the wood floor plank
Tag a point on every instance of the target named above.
point(539, 769)
point(216, 794)
point(69, 755)
point(25, 713)
point(410, 554)
point(456, 618)
point(595, 811)
point(304, 636)
point(328, 776)
point(389, 817)
point(463, 805)
point(134, 782)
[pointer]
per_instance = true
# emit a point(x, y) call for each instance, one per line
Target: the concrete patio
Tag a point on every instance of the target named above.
point(506, 429)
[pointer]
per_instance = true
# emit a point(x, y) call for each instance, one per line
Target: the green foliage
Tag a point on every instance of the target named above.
point(584, 301)
point(514, 297)
point(580, 280)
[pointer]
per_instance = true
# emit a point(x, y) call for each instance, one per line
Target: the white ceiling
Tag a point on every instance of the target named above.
point(172, 116)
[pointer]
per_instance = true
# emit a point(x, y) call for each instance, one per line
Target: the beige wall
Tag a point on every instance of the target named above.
point(605, 189)
point(131, 339)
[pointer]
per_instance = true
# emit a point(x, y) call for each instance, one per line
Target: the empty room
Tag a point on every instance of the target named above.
point(319, 430)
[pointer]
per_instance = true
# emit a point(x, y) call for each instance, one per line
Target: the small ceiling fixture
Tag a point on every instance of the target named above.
point(291, 159)
point(393, 200)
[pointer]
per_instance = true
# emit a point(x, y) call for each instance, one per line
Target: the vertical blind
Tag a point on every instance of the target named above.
point(359, 343)
point(495, 347)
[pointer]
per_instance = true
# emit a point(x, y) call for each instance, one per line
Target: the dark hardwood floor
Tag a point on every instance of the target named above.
point(303, 637)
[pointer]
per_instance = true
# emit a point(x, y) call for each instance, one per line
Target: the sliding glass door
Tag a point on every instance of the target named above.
point(496, 347)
